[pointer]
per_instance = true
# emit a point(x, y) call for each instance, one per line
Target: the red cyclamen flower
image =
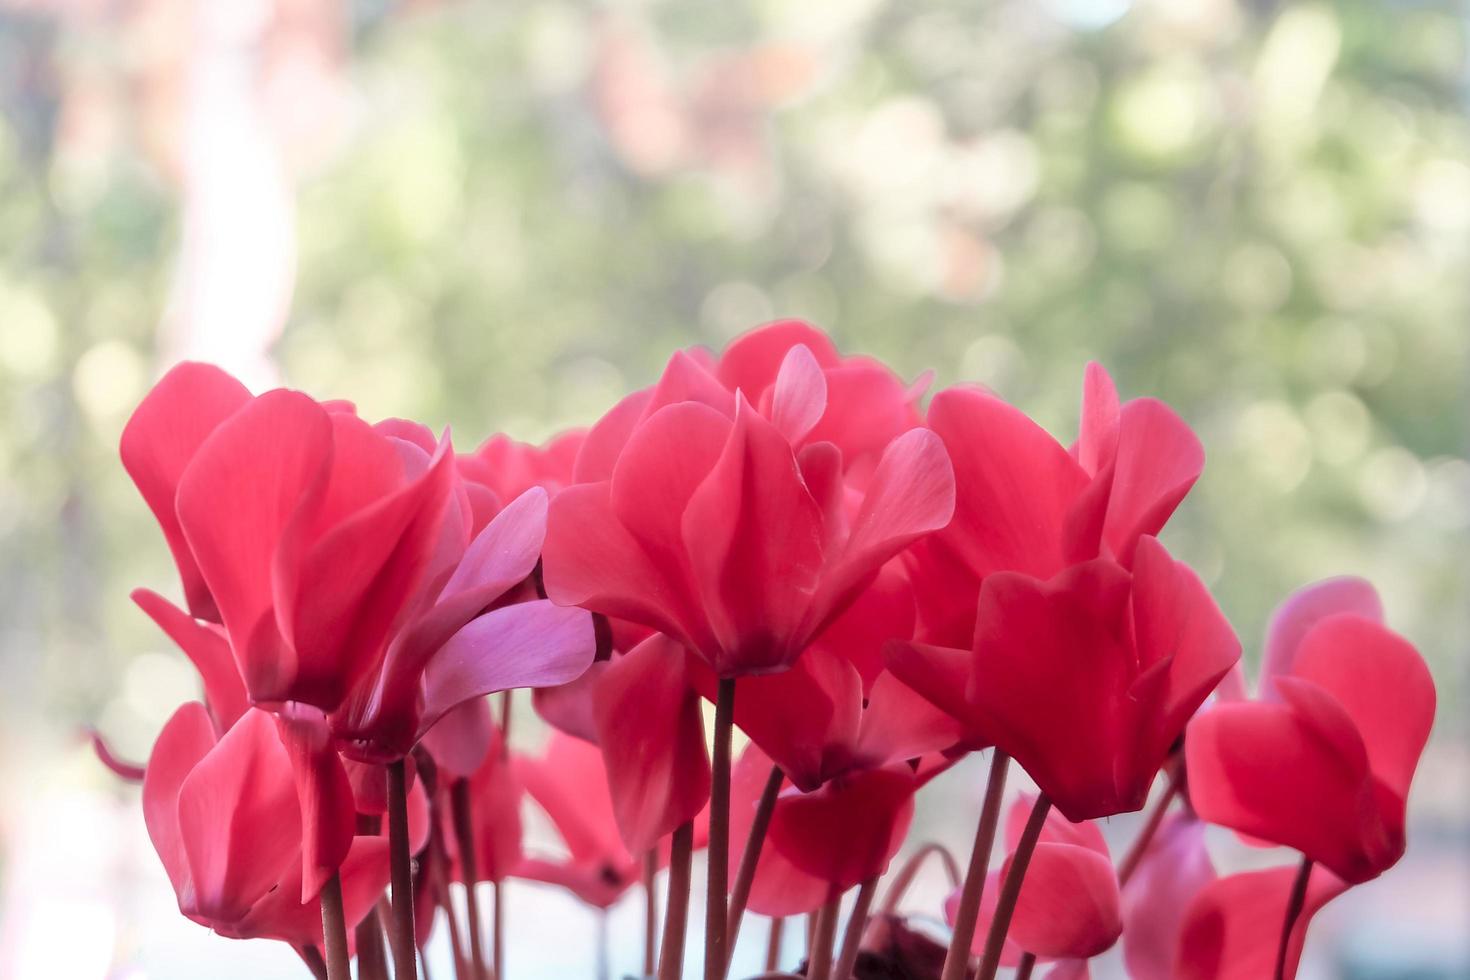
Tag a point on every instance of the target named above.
point(1323, 762)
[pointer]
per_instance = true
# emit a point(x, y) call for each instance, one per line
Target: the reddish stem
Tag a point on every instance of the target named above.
point(462, 807)
point(334, 930)
point(1010, 889)
point(439, 868)
point(676, 912)
point(1146, 835)
point(497, 927)
point(716, 953)
point(957, 959)
point(405, 966)
point(1024, 968)
point(751, 856)
point(910, 870)
point(856, 923)
point(773, 943)
point(819, 963)
point(650, 912)
point(312, 957)
point(372, 958)
point(1294, 905)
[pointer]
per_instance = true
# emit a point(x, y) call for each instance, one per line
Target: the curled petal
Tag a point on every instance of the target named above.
point(184, 741)
point(1232, 929)
point(1304, 609)
point(800, 395)
point(1159, 458)
point(207, 648)
point(1069, 905)
point(1174, 869)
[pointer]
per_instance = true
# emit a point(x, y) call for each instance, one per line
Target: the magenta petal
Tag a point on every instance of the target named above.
point(1232, 929)
point(160, 439)
point(461, 738)
point(528, 644)
point(1174, 869)
point(1069, 905)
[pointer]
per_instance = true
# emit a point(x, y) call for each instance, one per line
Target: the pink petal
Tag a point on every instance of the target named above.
point(754, 537)
point(652, 736)
point(1158, 460)
point(882, 612)
point(800, 395)
point(1383, 684)
point(184, 741)
point(529, 644)
point(461, 738)
point(598, 455)
point(1174, 869)
point(867, 408)
point(847, 831)
point(1013, 484)
point(1232, 929)
point(323, 792)
point(1098, 437)
point(209, 651)
point(568, 706)
point(234, 500)
point(1304, 609)
point(239, 818)
point(911, 494)
point(1069, 905)
point(160, 439)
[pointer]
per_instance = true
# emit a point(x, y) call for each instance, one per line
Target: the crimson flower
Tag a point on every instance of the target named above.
point(719, 525)
point(223, 814)
point(1068, 907)
point(1026, 503)
point(1323, 761)
point(1086, 679)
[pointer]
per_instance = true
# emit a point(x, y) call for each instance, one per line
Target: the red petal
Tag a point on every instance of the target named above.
point(754, 537)
point(899, 724)
point(529, 644)
point(1385, 687)
point(652, 736)
point(939, 675)
point(847, 831)
point(1175, 620)
point(1158, 460)
point(882, 612)
point(1232, 930)
point(340, 623)
point(209, 651)
point(800, 395)
point(160, 439)
point(1013, 484)
point(1304, 609)
point(234, 501)
point(589, 559)
point(779, 888)
point(911, 494)
point(239, 819)
point(1052, 675)
point(1068, 906)
point(1282, 773)
point(328, 807)
point(752, 360)
point(1174, 869)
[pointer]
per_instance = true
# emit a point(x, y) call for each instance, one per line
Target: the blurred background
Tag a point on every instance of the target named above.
point(503, 216)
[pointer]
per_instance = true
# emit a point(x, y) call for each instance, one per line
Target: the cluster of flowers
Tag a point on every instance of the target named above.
point(868, 591)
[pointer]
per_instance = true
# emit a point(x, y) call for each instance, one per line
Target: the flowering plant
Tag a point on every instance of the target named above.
point(865, 589)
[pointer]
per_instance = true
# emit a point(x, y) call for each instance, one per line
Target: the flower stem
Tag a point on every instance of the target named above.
point(462, 806)
point(1146, 835)
point(819, 962)
point(676, 912)
point(751, 856)
point(497, 928)
point(372, 958)
point(405, 966)
point(1024, 968)
point(716, 954)
point(957, 959)
point(1294, 905)
point(312, 957)
point(1010, 889)
point(334, 930)
point(650, 912)
point(439, 868)
point(910, 870)
point(856, 923)
point(773, 943)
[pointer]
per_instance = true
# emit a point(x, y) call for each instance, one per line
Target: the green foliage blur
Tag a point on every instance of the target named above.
point(1258, 212)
